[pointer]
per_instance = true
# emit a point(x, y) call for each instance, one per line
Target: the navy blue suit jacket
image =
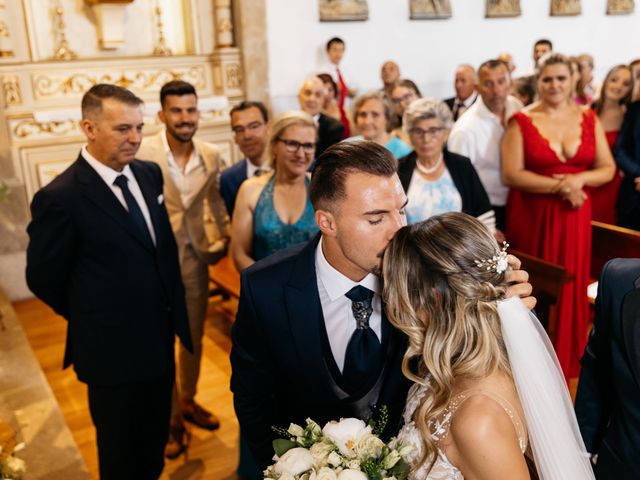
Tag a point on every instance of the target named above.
point(230, 180)
point(608, 397)
point(122, 297)
point(279, 373)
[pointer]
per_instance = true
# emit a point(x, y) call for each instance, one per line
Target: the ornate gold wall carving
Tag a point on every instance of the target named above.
point(234, 75)
point(149, 80)
point(11, 90)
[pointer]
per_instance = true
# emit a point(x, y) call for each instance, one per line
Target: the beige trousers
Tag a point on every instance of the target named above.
point(195, 277)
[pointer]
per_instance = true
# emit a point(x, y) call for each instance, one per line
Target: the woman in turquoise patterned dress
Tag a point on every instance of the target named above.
point(273, 211)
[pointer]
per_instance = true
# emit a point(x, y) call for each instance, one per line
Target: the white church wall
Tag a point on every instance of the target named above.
point(428, 51)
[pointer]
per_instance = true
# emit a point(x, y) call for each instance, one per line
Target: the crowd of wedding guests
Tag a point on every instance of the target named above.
point(534, 158)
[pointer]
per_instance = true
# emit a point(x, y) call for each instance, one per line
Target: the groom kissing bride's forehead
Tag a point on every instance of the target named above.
point(311, 337)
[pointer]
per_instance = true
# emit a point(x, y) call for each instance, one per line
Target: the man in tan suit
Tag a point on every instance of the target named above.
point(191, 171)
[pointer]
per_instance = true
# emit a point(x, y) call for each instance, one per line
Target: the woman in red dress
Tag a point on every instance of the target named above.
point(551, 151)
point(610, 108)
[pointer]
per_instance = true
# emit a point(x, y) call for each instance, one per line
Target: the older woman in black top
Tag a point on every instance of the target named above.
point(436, 180)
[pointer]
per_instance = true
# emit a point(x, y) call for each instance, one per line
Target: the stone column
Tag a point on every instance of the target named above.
point(228, 73)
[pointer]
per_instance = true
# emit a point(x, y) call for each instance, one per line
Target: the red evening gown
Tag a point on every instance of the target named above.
point(546, 226)
point(603, 198)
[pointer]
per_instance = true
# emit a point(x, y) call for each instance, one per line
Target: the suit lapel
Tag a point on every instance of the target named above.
point(305, 311)
point(95, 190)
point(630, 314)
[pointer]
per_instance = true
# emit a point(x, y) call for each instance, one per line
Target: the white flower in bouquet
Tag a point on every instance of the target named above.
point(320, 452)
point(391, 459)
point(346, 434)
point(334, 459)
point(287, 476)
point(16, 465)
point(350, 474)
point(369, 446)
point(294, 462)
point(325, 473)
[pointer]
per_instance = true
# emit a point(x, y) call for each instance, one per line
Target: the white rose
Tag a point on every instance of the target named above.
point(326, 473)
point(320, 452)
point(286, 476)
point(353, 464)
point(294, 462)
point(350, 474)
point(346, 433)
point(369, 446)
point(295, 430)
point(390, 460)
point(334, 459)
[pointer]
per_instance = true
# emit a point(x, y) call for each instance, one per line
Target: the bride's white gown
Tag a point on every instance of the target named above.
point(410, 435)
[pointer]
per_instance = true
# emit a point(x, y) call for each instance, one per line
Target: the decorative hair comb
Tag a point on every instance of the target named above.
point(498, 262)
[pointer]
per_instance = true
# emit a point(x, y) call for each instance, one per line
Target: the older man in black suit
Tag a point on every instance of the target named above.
point(102, 254)
point(311, 98)
point(608, 398)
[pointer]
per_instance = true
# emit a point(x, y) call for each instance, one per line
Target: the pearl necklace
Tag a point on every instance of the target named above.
point(428, 170)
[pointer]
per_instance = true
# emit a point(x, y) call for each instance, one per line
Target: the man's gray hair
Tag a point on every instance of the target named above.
point(426, 109)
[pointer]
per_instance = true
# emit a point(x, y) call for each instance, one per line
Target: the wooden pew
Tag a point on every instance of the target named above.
point(610, 241)
point(547, 280)
point(225, 281)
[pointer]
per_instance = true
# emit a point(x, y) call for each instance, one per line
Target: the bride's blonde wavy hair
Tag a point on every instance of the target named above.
point(447, 306)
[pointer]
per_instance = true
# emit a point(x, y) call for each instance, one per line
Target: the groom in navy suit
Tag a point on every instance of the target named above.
point(311, 338)
point(102, 254)
point(608, 397)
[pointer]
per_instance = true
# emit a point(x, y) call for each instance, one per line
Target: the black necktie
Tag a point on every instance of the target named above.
point(362, 358)
point(134, 208)
point(456, 109)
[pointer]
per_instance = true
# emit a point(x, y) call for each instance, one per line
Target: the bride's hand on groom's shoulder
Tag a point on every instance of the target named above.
point(518, 281)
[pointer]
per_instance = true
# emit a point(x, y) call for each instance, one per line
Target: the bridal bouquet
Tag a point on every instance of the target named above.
point(344, 450)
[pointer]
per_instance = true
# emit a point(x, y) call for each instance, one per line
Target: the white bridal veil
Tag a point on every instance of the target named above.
point(557, 446)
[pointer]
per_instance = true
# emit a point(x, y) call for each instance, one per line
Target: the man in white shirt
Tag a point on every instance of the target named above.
point(478, 134)
point(347, 88)
point(191, 171)
point(465, 86)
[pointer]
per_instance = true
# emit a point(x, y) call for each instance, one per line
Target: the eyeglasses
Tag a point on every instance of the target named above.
point(252, 127)
point(292, 146)
point(429, 132)
point(404, 98)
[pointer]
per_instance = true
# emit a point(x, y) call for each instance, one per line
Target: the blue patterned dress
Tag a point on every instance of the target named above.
point(429, 198)
point(270, 233)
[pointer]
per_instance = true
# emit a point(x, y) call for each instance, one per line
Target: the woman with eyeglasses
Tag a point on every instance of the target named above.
point(436, 180)
point(402, 94)
point(273, 211)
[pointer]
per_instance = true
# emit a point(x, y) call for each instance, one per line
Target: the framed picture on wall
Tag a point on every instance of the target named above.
point(503, 8)
point(620, 7)
point(343, 10)
point(429, 9)
point(565, 7)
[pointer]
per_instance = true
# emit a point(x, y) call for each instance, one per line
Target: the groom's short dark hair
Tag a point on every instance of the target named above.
point(338, 161)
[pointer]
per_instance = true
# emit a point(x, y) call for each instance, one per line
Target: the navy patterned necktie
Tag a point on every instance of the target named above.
point(134, 209)
point(363, 356)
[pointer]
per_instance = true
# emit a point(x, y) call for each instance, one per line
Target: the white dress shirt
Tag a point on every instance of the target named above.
point(477, 135)
point(109, 175)
point(464, 105)
point(336, 307)
point(190, 181)
point(252, 169)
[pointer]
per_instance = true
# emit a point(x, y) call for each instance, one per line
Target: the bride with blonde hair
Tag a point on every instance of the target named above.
point(489, 400)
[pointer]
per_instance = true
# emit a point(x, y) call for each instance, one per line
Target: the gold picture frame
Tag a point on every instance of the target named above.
point(503, 8)
point(429, 9)
point(343, 10)
point(563, 8)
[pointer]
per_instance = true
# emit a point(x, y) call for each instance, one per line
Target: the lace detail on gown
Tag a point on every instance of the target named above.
point(410, 435)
